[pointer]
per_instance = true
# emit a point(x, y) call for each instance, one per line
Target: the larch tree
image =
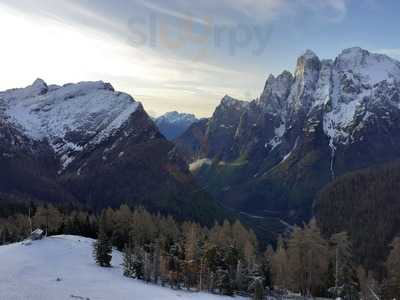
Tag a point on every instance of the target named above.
point(192, 251)
point(280, 266)
point(317, 258)
point(48, 218)
point(346, 285)
point(308, 259)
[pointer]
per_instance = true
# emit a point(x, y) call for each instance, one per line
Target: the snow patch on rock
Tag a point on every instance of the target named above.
point(277, 139)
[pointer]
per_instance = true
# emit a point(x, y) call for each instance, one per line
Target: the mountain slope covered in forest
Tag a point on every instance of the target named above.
point(366, 204)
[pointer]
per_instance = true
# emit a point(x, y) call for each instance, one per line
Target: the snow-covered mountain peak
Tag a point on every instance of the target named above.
point(342, 93)
point(370, 68)
point(68, 117)
point(173, 124)
point(355, 78)
point(177, 117)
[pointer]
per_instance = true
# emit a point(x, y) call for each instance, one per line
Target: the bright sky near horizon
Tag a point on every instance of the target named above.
point(179, 54)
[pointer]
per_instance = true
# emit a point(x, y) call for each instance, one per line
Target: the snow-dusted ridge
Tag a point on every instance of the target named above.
point(340, 89)
point(69, 117)
point(62, 268)
point(176, 117)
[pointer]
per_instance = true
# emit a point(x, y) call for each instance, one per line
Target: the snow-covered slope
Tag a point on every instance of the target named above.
point(70, 117)
point(62, 267)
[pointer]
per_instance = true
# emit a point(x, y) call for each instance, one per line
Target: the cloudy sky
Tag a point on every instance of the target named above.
point(181, 54)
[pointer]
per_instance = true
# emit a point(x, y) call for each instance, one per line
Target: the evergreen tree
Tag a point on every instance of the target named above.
point(128, 260)
point(102, 248)
point(138, 263)
point(259, 291)
point(223, 282)
point(175, 265)
point(267, 266)
point(212, 260)
point(241, 276)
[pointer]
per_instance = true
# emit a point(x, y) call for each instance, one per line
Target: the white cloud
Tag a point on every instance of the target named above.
point(227, 11)
point(59, 53)
point(70, 40)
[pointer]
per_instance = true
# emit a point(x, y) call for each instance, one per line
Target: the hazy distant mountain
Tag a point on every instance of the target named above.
point(270, 156)
point(173, 124)
point(89, 144)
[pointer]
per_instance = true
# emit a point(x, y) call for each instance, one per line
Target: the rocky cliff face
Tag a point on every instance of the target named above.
point(88, 144)
point(328, 118)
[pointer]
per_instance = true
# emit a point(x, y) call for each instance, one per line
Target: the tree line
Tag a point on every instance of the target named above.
point(310, 264)
point(226, 258)
point(222, 259)
point(21, 219)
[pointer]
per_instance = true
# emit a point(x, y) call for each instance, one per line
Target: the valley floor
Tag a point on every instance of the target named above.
point(62, 267)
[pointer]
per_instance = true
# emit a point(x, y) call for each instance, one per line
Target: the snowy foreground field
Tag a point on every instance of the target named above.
point(61, 267)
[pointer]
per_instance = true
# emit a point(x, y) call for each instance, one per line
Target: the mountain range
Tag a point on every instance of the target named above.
point(318, 142)
point(270, 157)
